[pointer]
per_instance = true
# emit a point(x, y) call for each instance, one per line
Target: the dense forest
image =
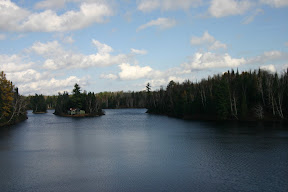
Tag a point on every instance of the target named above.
point(85, 102)
point(116, 100)
point(12, 105)
point(257, 95)
point(106, 100)
point(38, 104)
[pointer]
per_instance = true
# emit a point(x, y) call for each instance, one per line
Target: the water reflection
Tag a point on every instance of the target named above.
point(129, 150)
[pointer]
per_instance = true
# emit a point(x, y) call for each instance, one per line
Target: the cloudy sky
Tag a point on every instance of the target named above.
point(48, 46)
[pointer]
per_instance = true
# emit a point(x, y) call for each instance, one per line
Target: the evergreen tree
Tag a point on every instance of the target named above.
point(63, 104)
point(250, 95)
point(222, 99)
point(38, 103)
point(82, 101)
point(77, 96)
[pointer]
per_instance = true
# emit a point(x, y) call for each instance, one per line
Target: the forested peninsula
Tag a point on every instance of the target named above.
point(12, 104)
point(257, 95)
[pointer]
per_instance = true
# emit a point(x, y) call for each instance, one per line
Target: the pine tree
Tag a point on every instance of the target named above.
point(77, 97)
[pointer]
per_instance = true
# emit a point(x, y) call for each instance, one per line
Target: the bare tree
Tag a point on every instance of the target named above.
point(258, 111)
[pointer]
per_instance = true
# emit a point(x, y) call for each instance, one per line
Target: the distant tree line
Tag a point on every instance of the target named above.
point(38, 103)
point(51, 101)
point(46, 102)
point(12, 104)
point(105, 100)
point(246, 96)
point(120, 99)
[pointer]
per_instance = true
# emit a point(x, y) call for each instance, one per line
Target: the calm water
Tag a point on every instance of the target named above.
point(129, 150)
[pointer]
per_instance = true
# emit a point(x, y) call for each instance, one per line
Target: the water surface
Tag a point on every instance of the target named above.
point(129, 150)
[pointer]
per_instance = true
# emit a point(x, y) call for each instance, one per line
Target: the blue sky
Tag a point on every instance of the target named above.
point(48, 46)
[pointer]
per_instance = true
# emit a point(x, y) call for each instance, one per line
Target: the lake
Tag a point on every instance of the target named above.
point(129, 150)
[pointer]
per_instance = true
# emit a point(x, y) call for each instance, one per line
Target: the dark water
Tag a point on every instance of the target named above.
point(129, 150)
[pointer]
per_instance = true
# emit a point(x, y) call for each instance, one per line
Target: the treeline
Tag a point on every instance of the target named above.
point(106, 100)
point(40, 103)
point(94, 103)
point(231, 96)
point(116, 100)
point(12, 104)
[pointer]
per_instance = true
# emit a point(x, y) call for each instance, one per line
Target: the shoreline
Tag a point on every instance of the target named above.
point(215, 119)
point(20, 120)
point(39, 112)
point(80, 116)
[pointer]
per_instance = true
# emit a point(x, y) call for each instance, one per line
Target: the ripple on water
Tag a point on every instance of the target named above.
point(129, 150)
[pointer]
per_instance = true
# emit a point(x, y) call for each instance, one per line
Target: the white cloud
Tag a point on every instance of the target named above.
point(103, 60)
point(50, 64)
point(218, 8)
point(175, 79)
point(68, 39)
point(285, 67)
point(270, 68)
point(48, 49)
point(48, 86)
point(64, 38)
point(25, 76)
point(222, 8)
point(212, 60)
point(154, 77)
point(132, 72)
point(155, 83)
point(56, 57)
point(2, 36)
point(13, 63)
point(208, 40)
point(272, 54)
point(102, 48)
point(50, 4)
point(149, 5)
point(58, 4)
point(158, 82)
point(11, 15)
point(31, 81)
point(286, 44)
point(109, 76)
point(15, 18)
point(161, 23)
point(251, 17)
point(49, 21)
point(269, 56)
point(139, 52)
point(217, 45)
point(275, 3)
point(167, 5)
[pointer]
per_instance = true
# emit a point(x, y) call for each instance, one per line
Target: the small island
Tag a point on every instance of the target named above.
point(78, 104)
point(38, 104)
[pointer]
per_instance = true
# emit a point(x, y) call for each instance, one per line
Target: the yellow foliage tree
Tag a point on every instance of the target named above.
point(6, 96)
